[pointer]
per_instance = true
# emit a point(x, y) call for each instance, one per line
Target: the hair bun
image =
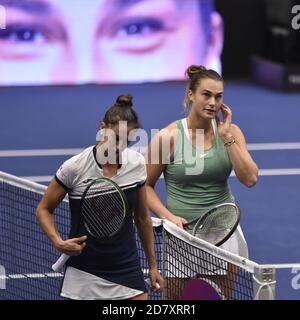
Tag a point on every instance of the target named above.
point(125, 100)
point(193, 69)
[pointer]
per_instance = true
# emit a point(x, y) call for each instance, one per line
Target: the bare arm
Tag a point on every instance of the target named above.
point(156, 163)
point(45, 216)
point(145, 230)
point(243, 165)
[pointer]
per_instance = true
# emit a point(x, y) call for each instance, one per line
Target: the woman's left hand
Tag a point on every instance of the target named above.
point(224, 126)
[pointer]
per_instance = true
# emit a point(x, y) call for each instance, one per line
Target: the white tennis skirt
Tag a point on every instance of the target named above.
point(237, 243)
point(81, 285)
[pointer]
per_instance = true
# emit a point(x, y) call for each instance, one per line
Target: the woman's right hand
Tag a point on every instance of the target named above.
point(179, 221)
point(72, 247)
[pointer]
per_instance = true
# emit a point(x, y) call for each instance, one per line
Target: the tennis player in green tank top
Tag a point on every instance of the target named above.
point(221, 149)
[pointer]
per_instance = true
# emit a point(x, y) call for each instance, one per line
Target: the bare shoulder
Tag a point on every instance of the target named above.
point(169, 130)
point(165, 137)
point(166, 132)
point(171, 126)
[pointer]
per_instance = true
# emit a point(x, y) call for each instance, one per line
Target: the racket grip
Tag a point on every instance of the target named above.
point(148, 281)
point(57, 266)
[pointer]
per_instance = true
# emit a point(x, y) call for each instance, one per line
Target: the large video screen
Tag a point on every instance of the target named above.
point(106, 41)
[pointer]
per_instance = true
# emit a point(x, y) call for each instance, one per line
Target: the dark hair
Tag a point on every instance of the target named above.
point(196, 74)
point(122, 110)
point(206, 8)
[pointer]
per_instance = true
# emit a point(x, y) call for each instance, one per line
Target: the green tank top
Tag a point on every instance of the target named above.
point(191, 195)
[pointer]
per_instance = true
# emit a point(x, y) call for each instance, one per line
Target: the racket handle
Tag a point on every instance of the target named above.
point(57, 266)
point(189, 224)
point(148, 281)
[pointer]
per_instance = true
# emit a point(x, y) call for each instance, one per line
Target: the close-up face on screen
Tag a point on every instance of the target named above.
point(106, 41)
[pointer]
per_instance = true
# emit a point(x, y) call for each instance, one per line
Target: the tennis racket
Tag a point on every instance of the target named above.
point(217, 225)
point(103, 209)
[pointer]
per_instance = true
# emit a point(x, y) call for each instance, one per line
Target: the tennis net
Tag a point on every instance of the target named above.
point(26, 254)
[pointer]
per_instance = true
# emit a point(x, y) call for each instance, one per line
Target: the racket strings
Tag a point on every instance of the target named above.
point(99, 191)
point(101, 220)
point(103, 211)
point(221, 219)
point(92, 222)
point(217, 225)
